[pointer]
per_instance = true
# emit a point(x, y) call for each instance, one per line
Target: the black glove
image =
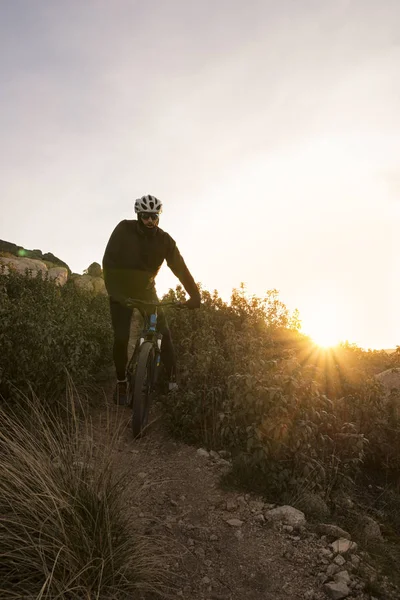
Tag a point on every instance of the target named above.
point(193, 302)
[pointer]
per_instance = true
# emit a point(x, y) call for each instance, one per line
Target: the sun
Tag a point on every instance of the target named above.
point(323, 329)
point(326, 339)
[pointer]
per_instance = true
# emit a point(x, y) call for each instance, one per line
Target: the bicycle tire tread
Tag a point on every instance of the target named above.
point(141, 409)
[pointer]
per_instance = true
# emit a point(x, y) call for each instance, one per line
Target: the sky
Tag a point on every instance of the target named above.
point(270, 131)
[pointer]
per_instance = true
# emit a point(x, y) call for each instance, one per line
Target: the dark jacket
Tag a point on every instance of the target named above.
point(133, 258)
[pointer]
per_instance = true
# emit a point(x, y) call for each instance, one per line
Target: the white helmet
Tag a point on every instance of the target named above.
point(148, 204)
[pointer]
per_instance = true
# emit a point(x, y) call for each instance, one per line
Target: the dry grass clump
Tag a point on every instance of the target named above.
point(64, 525)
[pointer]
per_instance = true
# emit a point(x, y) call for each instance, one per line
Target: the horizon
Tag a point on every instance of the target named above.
point(270, 132)
point(225, 299)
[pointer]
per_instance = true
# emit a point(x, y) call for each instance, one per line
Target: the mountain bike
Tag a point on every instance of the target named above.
point(144, 365)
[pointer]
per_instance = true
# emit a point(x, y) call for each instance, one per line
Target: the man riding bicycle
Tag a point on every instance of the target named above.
point(132, 259)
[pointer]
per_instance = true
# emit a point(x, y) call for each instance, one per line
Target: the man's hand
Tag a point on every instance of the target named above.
point(193, 302)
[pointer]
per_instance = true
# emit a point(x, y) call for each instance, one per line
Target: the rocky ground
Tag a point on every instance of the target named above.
point(225, 545)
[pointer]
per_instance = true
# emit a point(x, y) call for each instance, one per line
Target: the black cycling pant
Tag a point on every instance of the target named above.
point(121, 322)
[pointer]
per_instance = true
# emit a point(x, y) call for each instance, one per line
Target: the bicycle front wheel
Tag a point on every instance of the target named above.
point(142, 390)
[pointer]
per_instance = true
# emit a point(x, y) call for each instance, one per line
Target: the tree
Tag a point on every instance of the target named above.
point(94, 270)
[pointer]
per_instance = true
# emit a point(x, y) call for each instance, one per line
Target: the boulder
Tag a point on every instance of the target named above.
point(390, 379)
point(99, 286)
point(59, 275)
point(22, 264)
point(94, 285)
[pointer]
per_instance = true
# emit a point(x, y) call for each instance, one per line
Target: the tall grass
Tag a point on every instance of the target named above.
point(64, 526)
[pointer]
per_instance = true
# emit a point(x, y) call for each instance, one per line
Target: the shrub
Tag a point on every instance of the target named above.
point(291, 414)
point(47, 331)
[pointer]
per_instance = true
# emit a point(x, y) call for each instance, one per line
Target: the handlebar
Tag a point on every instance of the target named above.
point(132, 301)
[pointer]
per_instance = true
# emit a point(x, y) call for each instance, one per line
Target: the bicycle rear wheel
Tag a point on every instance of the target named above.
point(142, 390)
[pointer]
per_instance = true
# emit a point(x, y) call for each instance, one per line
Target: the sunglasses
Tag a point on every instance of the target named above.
point(152, 216)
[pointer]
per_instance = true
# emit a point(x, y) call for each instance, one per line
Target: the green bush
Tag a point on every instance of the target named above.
point(47, 331)
point(289, 412)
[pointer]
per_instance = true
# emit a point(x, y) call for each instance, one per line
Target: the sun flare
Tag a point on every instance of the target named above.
point(324, 330)
point(326, 339)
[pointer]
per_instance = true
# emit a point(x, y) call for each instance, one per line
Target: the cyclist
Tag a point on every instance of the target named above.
point(132, 259)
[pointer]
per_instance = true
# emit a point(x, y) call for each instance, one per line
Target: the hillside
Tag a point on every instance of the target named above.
point(11, 248)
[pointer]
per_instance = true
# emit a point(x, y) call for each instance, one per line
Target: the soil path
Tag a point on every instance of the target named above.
point(224, 547)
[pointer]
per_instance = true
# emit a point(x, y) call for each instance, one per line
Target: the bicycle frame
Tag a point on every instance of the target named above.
point(149, 332)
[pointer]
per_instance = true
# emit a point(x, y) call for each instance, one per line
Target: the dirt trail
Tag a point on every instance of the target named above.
point(180, 497)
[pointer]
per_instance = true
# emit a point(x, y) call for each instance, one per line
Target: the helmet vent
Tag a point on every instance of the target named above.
point(148, 204)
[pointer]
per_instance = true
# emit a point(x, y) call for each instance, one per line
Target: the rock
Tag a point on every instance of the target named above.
point(336, 591)
point(214, 454)
point(206, 580)
point(202, 452)
point(332, 531)
point(288, 528)
point(355, 560)
point(230, 505)
point(239, 534)
point(287, 515)
point(99, 287)
point(259, 519)
point(256, 506)
point(22, 264)
point(59, 275)
point(213, 537)
point(93, 285)
point(342, 577)
point(332, 570)
point(390, 379)
point(234, 522)
point(326, 553)
point(342, 546)
point(322, 577)
point(339, 560)
point(372, 531)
